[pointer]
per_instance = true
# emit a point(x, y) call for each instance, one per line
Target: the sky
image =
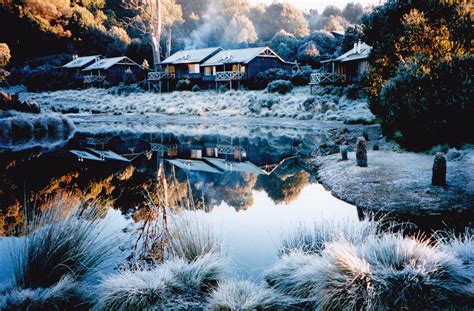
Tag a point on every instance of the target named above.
point(321, 4)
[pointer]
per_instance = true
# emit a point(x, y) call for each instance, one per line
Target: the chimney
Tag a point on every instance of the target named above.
point(355, 46)
point(358, 46)
point(74, 56)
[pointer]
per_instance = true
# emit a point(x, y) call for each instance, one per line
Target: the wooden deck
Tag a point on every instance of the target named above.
point(230, 75)
point(160, 75)
point(326, 77)
point(94, 79)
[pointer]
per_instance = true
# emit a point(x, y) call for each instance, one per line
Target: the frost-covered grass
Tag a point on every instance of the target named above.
point(244, 295)
point(191, 239)
point(59, 251)
point(367, 268)
point(312, 240)
point(174, 284)
point(23, 130)
point(326, 107)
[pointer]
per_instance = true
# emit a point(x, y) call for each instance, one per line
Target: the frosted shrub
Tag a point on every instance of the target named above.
point(183, 85)
point(373, 270)
point(280, 86)
point(174, 284)
point(312, 240)
point(243, 295)
point(57, 254)
point(361, 152)
point(343, 150)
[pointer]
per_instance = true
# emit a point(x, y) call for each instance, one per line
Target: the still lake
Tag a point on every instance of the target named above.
point(252, 189)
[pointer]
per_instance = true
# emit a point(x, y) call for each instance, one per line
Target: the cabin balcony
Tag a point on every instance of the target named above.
point(230, 75)
point(326, 77)
point(192, 76)
point(94, 79)
point(160, 75)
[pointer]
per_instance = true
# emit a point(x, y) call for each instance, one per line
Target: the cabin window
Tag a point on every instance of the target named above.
point(208, 71)
point(236, 68)
point(193, 68)
point(170, 69)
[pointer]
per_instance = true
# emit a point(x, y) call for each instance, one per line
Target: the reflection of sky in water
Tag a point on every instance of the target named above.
point(253, 235)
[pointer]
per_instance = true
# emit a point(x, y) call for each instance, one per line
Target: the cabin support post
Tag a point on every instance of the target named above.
point(333, 72)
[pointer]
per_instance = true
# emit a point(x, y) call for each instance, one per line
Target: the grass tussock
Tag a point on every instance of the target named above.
point(175, 284)
point(191, 239)
point(312, 240)
point(244, 295)
point(59, 251)
point(379, 271)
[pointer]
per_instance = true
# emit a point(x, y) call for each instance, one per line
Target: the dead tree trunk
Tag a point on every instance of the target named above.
point(156, 25)
point(168, 43)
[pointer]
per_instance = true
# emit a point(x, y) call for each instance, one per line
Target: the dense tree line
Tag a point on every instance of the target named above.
point(420, 77)
point(117, 27)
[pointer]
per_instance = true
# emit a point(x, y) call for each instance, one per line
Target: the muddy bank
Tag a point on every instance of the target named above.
point(400, 182)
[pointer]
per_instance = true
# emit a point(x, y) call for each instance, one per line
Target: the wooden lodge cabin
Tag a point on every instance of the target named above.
point(112, 70)
point(186, 64)
point(77, 64)
point(213, 66)
point(234, 66)
point(345, 69)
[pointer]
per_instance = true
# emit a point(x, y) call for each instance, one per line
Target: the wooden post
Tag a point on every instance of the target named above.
point(332, 72)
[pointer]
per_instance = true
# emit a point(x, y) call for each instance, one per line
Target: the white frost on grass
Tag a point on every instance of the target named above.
point(25, 130)
point(255, 104)
point(243, 295)
point(174, 284)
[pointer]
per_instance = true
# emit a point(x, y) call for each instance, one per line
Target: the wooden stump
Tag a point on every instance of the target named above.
point(361, 152)
point(439, 170)
point(343, 150)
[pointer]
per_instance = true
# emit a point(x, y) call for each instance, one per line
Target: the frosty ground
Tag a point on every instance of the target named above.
point(299, 104)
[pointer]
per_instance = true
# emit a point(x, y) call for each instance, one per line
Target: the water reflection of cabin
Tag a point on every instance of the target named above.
point(347, 68)
point(213, 66)
point(211, 158)
point(112, 70)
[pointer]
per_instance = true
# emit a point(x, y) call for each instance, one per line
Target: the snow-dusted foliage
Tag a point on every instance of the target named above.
point(381, 271)
point(56, 297)
point(312, 240)
point(191, 239)
point(175, 284)
point(325, 107)
point(61, 249)
point(24, 130)
point(244, 295)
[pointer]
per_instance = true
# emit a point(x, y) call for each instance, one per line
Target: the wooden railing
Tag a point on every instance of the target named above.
point(159, 75)
point(93, 79)
point(326, 77)
point(230, 75)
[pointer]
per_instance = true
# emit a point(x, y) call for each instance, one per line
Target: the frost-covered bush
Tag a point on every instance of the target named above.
point(47, 78)
point(422, 109)
point(174, 284)
point(191, 239)
point(21, 130)
point(280, 86)
point(353, 92)
point(353, 270)
point(183, 85)
point(309, 103)
point(195, 88)
point(243, 295)
point(302, 77)
point(263, 78)
point(59, 251)
point(312, 240)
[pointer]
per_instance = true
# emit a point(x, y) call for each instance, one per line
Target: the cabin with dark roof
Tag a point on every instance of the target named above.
point(347, 68)
point(185, 64)
point(238, 65)
point(112, 70)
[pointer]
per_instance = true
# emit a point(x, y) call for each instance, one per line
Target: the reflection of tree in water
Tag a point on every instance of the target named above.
point(285, 184)
point(121, 186)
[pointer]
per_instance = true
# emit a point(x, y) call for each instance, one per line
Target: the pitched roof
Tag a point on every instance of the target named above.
point(359, 51)
point(238, 56)
point(106, 63)
point(229, 166)
point(80, 62)
point(193, 165)
point(191, 56)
